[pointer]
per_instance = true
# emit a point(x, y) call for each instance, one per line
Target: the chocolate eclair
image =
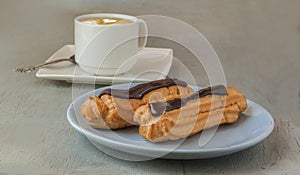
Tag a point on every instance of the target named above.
point(114, 108)
point(182, 117)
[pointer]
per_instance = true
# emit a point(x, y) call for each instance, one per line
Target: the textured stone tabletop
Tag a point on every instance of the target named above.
point(258, 43)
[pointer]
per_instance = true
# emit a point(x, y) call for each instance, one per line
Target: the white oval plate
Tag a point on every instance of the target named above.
point(253, 126)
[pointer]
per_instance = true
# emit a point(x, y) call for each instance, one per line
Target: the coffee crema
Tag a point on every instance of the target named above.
point(106, 21)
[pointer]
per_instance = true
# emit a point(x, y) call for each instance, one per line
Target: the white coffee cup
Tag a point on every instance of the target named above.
point(102, 49)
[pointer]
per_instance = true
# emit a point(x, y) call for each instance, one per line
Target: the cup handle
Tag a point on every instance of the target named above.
point(143, 33)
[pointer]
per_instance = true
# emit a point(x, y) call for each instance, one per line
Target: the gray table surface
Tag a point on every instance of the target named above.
point(258, 43)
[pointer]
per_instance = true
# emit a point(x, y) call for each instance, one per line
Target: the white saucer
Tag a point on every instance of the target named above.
point(253, 126)
point(153, 65)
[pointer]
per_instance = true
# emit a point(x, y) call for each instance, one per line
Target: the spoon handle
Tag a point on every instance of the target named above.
point(35, 67)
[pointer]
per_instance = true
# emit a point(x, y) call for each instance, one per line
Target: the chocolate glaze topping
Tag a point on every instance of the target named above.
point(158, 108)
point(137, 92)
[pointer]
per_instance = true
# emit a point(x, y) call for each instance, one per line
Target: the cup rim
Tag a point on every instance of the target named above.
point(116, 15)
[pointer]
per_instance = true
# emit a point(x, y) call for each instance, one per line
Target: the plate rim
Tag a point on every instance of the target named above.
point(108, 142)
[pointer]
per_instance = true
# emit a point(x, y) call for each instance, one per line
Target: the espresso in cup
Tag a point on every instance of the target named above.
point(106, 44)
point(106, 21)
